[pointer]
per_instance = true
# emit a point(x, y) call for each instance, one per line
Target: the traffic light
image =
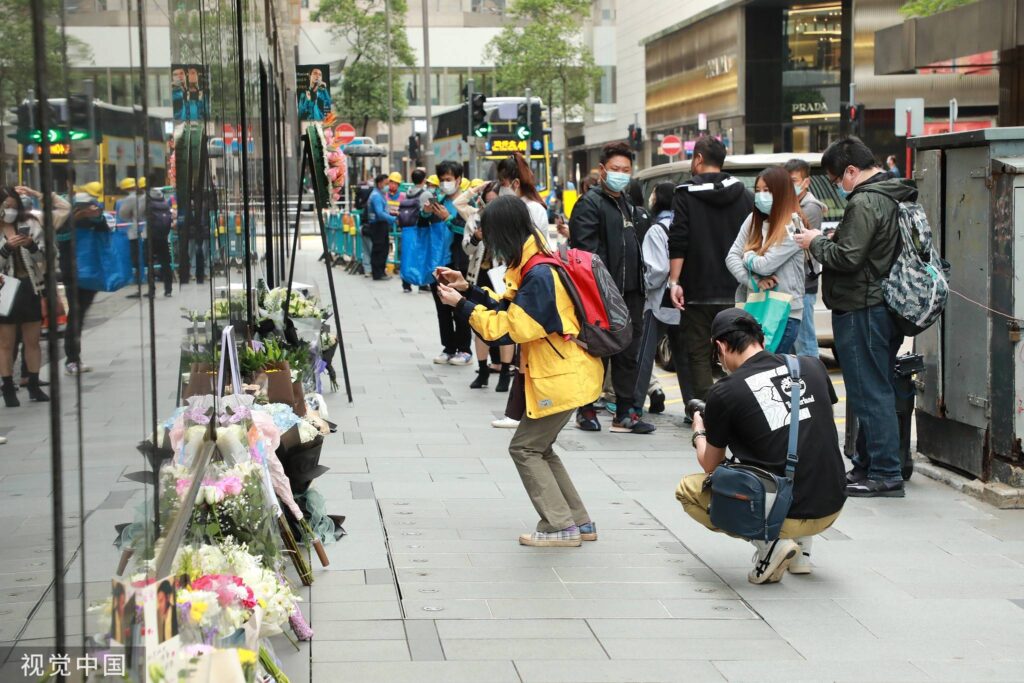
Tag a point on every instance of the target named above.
point(478, 116)
point(855, 113)
point(523, 121)
point(635, 135)
point(29, 129)
point(79, 127)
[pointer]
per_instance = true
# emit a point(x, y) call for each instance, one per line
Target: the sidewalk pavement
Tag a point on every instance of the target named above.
point(431, 585)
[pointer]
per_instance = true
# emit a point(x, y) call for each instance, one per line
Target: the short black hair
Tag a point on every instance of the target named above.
point(711, 150)
point(449, 166)
point(418, 176)
point(506, 225)
point(381, 177)
point(798, 166)
point(738, 340)
point(663, 193)
point(615, 149)
point(847, 152)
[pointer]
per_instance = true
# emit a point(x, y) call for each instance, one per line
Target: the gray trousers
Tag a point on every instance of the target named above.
point(544, 477)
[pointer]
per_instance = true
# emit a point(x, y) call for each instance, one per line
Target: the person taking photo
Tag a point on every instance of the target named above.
point(557, 374)
point(814, 213)
point(748, 412)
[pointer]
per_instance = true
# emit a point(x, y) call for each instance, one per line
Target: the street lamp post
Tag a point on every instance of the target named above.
point(391, 115)
point(428, 148)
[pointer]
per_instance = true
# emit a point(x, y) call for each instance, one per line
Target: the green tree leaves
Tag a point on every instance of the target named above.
point(926, 8)
point(544, 51)
point(362, 26)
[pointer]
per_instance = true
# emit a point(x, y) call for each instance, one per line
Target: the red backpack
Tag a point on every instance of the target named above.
point(605, 328)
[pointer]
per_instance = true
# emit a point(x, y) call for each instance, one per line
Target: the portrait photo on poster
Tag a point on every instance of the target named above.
point(313, 85)
point(188, 92)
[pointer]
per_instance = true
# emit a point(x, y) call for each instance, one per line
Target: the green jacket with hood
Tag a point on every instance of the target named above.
point(864, 245)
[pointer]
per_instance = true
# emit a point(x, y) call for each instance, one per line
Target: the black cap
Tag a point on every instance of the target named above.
point(726, 322)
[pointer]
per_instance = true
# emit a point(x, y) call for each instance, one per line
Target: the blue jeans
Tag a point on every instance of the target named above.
point(807, 340)
point(867, 344)
point(788, 337)
point(367, 236)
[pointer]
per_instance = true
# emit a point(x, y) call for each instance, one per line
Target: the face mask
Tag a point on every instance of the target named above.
point(763, 202)
point(506, 192)
point(10, 215)
point(841, 191)
point(616, 181)
point(798, 188)
point(448, 187)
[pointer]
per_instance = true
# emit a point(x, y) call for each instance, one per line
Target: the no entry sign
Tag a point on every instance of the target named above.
point(345, 133)
point(671, 145)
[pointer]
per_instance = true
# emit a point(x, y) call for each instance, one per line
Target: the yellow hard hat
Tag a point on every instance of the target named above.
point(94, 188)
point(433, 180)
point(142, 182)
point(475, 182)
point(395, 177)
point(464, 185)
point(127, 184)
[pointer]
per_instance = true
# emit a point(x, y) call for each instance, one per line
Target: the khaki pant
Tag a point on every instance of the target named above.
point(696, 499)
point(544, 477)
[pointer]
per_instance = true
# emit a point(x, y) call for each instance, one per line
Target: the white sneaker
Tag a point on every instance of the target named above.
point(3, 440)
point(505, 423)
point(442, 358)
point(801, 564)
point(76, 369)
point(461, 358)
point(771, 560)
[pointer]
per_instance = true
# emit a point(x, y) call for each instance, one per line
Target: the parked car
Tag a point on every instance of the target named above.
point(746, 167)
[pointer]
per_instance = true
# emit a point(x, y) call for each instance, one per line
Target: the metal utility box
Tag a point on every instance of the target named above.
point(970, 412)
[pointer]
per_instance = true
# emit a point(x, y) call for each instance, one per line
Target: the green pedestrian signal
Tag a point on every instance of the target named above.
point(522, 132)
point(522, 122)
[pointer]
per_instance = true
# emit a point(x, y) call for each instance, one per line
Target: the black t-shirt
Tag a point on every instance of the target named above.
point(748, 412)
point(631, 255)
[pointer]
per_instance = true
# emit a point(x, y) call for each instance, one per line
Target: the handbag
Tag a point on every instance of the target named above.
point(515, 407)
point(751, 502)
point(770, 309)
point(8, 292)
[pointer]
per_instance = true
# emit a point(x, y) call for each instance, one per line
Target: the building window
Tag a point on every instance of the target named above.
point(488, 6)
point(606, 88)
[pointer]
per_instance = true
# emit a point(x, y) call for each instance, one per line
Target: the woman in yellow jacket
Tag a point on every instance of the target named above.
point(558, 376)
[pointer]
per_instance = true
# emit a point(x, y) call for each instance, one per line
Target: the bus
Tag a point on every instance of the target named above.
point(118, 155)
point(451, 134)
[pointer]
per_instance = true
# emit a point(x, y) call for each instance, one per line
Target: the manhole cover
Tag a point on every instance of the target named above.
point(400, 503)
point(422, 573)
point(413, 546)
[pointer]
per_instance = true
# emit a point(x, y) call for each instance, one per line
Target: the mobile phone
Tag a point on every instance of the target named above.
point(23, 230)
point(798, 224)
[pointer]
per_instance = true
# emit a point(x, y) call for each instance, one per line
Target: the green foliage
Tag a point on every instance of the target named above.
point(926, 8)
point(544, 51)
point(17, 65)
point(362, 94)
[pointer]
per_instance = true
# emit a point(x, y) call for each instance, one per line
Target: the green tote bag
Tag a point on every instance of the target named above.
point(771, 309)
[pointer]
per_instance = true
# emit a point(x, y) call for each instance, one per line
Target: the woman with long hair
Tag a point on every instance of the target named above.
point(764, 253)
point(557, 374)
point(516, 179)
point(22, 265)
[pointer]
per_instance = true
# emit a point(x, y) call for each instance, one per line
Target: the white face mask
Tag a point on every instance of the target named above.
point(448, 187)
point(10, 215)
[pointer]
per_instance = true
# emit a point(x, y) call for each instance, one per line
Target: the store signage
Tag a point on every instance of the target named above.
point(804, 108)
point(719, 66)
point(59, 151)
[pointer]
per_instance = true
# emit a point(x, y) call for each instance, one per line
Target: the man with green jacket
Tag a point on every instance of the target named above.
point(854, 262)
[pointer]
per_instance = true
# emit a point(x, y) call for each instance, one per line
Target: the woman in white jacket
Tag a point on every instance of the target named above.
point(764, 253)
point(468, 204)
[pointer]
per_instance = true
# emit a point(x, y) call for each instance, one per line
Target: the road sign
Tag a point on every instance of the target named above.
point(345, 133)
point(671, 145)
point(915, 105)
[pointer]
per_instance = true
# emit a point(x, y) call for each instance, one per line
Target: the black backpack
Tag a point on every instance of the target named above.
point(362, 198)
point(160, 219)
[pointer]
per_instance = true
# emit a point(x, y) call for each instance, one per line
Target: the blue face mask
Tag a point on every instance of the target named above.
point(616, 181)
point(841, 191)
point(763, 202)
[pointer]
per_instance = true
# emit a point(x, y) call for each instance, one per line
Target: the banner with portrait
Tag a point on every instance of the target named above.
point(313, 86)
point(189, 92)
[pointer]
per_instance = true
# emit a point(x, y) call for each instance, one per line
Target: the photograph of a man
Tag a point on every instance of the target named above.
point(166, 612)
point(314, 90)
point(117, 613)
point(188, 92)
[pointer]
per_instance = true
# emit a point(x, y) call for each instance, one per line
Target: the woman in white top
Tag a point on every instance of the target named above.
point(517, 179)
point(764, 253)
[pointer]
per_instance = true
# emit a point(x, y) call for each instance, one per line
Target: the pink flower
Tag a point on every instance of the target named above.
point(181, 487)
point(231, 486)
point(333, 172)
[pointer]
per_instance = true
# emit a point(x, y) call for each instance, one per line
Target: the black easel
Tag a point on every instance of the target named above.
point(321, 202)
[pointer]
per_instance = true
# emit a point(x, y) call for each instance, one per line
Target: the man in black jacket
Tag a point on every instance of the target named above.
point(708, 210)
point(603, 223)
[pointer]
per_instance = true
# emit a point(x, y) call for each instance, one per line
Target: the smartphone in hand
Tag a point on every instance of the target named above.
point(23, 230)
point(798, 223)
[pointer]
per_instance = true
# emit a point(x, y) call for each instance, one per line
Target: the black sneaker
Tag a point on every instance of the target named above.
point(587, 420)
point(875, 488)
point(856, 475)
point(657, 402)
point(632, 424)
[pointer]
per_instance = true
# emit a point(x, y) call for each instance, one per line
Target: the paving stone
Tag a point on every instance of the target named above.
point(551, 629)
point(360, 651)
point(663, 671)
point(417, 672)
point(523, 648)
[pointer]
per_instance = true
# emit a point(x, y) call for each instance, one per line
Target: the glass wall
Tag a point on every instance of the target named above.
point(812, 72)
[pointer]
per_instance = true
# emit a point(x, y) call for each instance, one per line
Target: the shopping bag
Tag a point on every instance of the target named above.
point(415, 256)
point(8, 290)
point(104, 259)
point(771, 310)
point(440, 251)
